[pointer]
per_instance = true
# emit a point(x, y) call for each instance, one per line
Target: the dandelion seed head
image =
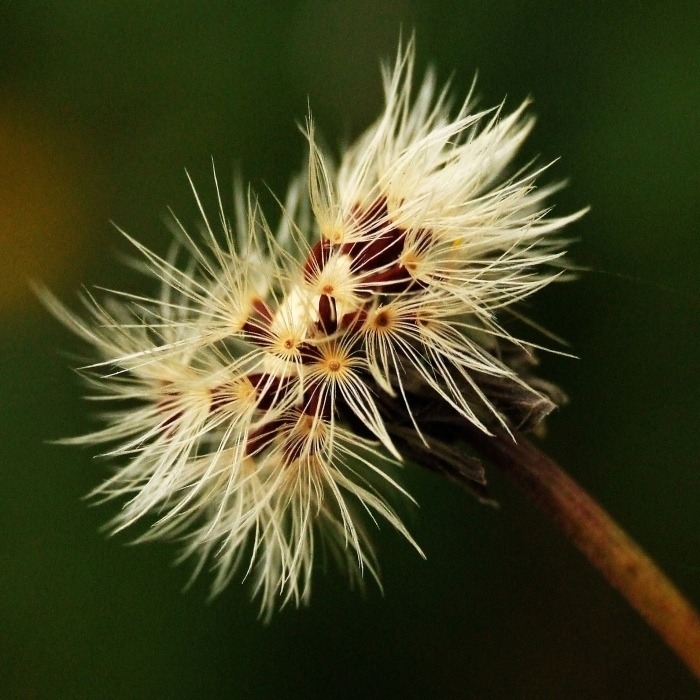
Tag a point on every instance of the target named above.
point(252, 396)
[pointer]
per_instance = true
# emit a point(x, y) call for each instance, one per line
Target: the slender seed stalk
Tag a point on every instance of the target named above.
point(608, 548)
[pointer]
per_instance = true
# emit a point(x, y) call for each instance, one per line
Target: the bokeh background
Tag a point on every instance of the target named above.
point(103, 105)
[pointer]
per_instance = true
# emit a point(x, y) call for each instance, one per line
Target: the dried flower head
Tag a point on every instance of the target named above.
point(257, 403)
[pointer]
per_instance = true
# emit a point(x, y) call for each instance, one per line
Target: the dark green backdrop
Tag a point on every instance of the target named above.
point(102, 106)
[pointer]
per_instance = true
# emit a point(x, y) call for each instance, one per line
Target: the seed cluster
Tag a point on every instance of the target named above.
point(252, 398)
point(344, 297)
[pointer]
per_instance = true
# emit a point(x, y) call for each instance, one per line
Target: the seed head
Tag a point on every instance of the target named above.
point(253, 400)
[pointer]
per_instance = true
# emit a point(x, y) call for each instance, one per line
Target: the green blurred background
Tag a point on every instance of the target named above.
point(103, 105)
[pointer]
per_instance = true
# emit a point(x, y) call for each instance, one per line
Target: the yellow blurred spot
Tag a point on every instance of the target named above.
point(42, 220)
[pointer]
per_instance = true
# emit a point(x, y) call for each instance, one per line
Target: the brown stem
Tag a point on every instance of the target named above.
point(599, 537)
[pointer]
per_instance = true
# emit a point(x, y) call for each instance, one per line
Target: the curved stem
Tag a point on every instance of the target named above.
point(600, 538)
